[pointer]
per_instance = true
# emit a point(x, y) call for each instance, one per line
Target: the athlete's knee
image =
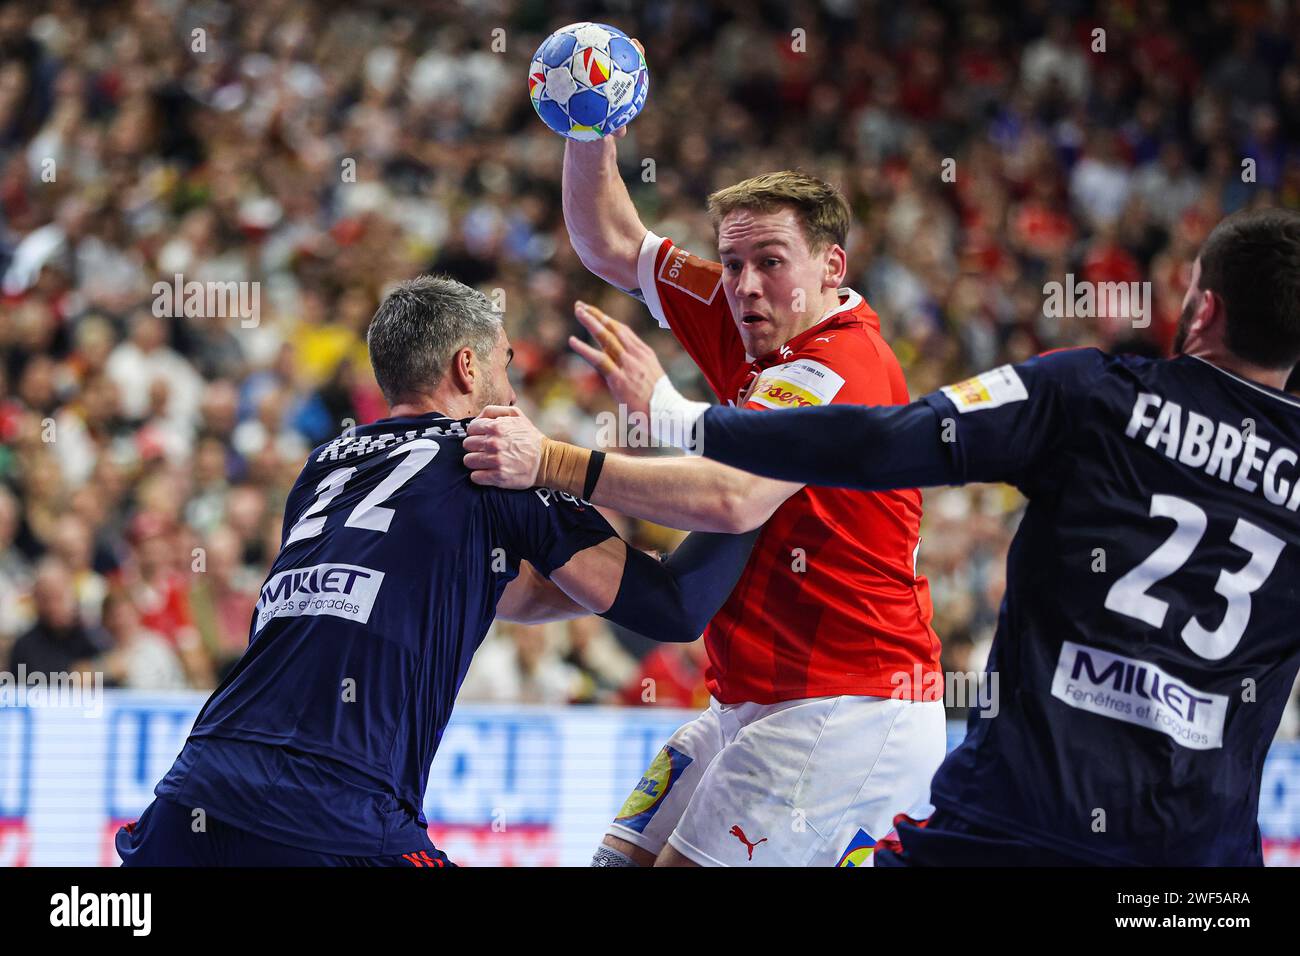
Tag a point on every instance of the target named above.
point(615, 852)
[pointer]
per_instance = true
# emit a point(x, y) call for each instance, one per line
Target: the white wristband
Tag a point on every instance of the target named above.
point(673, 418)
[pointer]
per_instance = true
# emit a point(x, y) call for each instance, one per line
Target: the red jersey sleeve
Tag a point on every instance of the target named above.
point(684, 294)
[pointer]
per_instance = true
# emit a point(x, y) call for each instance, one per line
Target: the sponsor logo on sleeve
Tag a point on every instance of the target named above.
point(802, 383)
point(1136, 692)
point(698, 278)
point(339, 590)
point(989, 390)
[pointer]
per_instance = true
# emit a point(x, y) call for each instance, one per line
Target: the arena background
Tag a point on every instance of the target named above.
point(317, 152)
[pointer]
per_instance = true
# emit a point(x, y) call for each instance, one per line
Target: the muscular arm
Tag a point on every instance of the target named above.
point(1012, 424)
point(507, 450)
point(846, 446)
point(603, 224)
point(531, 599)
point(689, 493)
point(569, 542)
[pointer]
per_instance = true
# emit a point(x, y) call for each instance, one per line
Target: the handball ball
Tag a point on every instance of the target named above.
point(587, 80)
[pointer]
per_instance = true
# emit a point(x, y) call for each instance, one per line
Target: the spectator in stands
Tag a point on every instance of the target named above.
point(222, 599)
point(521, 663)
point(137, 658)
point(158, 588)
point(59, 642)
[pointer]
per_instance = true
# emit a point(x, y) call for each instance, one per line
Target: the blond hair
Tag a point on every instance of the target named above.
point(820, 207)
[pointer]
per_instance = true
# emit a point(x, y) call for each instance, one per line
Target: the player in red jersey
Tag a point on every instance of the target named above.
point(817, 729)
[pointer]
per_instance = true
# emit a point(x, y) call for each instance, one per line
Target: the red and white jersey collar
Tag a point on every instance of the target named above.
point(842, 314)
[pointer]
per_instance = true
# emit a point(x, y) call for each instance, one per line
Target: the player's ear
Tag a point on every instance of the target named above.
point(1211, 313)
point(464, 370)
point(837, 266)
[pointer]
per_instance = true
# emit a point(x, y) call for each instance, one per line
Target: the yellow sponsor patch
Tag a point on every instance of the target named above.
point(989, 390)
point(802, 383)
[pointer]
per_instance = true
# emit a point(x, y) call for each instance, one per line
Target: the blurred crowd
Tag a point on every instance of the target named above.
point(324, 150)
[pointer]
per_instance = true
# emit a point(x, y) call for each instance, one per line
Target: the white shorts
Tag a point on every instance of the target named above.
point(801, 783)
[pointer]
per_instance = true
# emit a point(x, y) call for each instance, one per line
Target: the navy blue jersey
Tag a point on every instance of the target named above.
point(1148, 640)
point(391, 565)
point(1150, 632)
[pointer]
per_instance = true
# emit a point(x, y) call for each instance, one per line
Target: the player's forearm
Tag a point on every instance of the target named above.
point(603, 224)
point(687, 493)
point(550, 604)
point(846, 446)
point(531, 599)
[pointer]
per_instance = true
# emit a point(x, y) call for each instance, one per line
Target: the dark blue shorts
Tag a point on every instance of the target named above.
point(164, 836)
point(943, 839)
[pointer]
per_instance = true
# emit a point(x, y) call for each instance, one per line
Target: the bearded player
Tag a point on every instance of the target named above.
point(817, 732)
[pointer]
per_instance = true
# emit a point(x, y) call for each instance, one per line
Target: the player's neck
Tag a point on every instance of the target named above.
point(438, 401)
point(830, 302)
point(1221, 357)
point(817, 313)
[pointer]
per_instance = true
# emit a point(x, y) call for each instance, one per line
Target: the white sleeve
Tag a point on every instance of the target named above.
point(674, 420)
point(645, 273)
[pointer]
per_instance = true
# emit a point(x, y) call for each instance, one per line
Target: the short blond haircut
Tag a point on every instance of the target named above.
point(820, 208)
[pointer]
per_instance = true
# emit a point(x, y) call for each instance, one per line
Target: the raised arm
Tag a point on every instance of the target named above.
point(604, 227)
